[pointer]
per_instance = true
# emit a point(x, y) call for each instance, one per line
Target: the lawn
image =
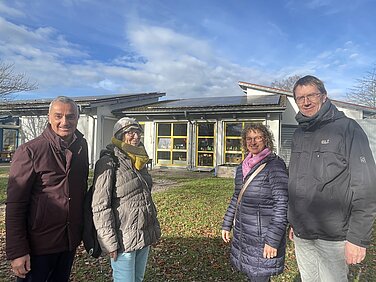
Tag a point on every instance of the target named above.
point(3, 183)
point(190, 248)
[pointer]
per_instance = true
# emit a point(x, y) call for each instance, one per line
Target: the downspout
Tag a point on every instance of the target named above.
point(93, 141)
point(190, 165)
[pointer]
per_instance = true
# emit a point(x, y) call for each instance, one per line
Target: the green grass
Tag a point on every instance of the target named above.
point(191, 248)
point(3, 183)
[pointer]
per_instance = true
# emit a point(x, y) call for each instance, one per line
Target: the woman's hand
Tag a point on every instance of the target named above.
point(226, 236)
point(269, 252)
point(113, 255)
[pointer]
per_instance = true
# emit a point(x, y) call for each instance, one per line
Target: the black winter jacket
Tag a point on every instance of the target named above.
point(261, 218)
point(332, 179)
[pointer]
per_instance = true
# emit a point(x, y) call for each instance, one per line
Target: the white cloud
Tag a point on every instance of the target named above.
point(6, 10)
point(314, 4)
point(107, 84)
point(161, 58)
point(180, 65)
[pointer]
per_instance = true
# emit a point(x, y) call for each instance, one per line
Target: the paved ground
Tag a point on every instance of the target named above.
point(160, 183)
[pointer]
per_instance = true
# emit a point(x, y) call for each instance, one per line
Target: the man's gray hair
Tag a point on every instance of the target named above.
point(65, 100)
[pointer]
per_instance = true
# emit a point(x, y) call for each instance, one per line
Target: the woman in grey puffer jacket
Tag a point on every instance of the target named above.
point(123, 210)
point(258, 245)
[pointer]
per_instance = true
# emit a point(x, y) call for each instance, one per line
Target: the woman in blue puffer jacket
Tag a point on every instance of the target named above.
point(259, 219)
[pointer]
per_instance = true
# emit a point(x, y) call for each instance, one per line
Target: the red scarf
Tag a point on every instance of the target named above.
point(250, 161)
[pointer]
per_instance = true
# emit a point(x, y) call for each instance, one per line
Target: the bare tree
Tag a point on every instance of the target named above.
point(32, 127)
point(364, 91)
point(11, 82)
point(285, 84)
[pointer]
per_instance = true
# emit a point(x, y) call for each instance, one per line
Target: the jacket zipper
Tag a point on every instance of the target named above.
point(258, 229)
point(241, 238)
point(258, 221)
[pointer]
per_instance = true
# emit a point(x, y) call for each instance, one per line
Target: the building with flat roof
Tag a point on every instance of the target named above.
point(193, 133)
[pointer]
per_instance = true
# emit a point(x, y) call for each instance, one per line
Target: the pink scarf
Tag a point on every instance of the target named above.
point(250, 161)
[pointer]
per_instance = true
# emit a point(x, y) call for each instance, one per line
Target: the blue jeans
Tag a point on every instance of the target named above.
point(321, 260)
point(130, 267)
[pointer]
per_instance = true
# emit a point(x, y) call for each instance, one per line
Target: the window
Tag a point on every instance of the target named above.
point(205, 145)
point(233, 145)
point(172, 144)
point(8, 143)
point(9, 139)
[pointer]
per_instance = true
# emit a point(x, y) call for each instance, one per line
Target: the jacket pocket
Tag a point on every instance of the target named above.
point(52, 212)
point(327, 164)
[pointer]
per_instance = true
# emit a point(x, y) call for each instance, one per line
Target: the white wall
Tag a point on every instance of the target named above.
point(274, 126)
point(369, 127)
point(31, 127)
point(288, 116)
point(149, 142)
point(87, 126)
point(351, 113)
point(251, 91)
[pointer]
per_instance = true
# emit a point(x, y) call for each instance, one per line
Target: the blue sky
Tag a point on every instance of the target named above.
point(186, 48)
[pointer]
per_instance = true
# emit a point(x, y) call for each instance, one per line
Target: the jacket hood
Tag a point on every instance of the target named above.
point(326, 114)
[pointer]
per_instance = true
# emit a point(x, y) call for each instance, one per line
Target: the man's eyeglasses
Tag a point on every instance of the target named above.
point(256, 139)
point(132, 133)
point(313, 97)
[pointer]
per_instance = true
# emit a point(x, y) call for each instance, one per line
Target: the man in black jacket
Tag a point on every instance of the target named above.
point(332, 190)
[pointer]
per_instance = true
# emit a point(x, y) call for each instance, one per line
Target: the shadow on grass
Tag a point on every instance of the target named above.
point(187, 259)
point(175, 259)
point(197, 259)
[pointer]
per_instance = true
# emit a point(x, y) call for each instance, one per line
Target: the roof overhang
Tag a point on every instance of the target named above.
point(207, 108)
point(246, 85)
point(87, 104)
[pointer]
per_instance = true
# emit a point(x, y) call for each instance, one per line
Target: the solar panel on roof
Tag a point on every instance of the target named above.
point(253, 100)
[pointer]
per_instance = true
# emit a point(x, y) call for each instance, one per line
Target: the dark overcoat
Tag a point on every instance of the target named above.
point(261, 218)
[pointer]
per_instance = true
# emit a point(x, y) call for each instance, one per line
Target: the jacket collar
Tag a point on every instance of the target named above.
point(56, 140)
point(326, 114)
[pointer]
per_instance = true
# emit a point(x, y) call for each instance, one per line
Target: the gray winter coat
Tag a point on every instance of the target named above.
point(332, 179)
point(123, 210)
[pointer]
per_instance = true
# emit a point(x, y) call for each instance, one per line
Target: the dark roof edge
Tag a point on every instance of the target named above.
point(81, 99)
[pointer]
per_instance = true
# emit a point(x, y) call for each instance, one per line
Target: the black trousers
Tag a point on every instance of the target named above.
point(50, 268)
point(259, 278)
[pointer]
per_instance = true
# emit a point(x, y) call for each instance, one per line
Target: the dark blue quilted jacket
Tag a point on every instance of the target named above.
point(261, 218)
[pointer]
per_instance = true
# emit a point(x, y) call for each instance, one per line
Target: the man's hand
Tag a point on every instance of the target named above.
point(354, 254)
point(21, 266)
point(226, 236)
point(291, 234)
